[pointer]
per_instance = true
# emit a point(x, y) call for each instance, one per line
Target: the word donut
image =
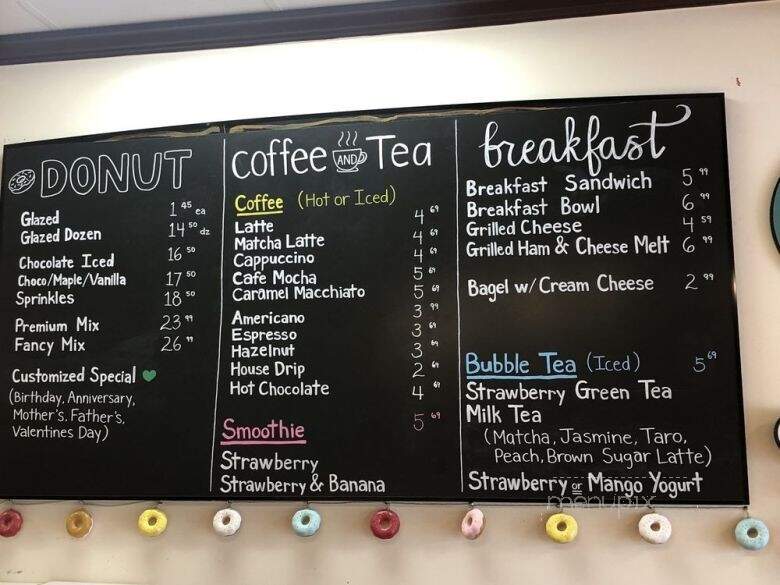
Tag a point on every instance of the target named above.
point(79, 523)
point(655, 528)
point(10, 523)
point(385, 524)
point(752, 534)
point(561, 528)
point(473, 524)
point(306, 522)
point(152, 522)
point(226, 522)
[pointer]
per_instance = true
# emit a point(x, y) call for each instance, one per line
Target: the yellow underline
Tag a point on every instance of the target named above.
point(250, 213)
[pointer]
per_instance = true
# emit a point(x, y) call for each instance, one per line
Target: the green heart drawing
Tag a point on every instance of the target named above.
point(149, 375)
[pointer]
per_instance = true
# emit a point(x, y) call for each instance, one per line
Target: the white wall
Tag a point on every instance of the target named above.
point(733, 49)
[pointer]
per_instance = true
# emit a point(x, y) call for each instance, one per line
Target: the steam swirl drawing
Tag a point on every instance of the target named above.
point(348, 156)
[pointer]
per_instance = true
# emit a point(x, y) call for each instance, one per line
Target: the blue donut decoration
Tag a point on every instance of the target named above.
point(752, 534)
point(306, 522)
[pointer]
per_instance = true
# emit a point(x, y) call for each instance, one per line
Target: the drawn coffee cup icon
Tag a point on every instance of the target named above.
point(349, 159)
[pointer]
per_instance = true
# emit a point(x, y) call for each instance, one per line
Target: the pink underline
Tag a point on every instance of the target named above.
point(302, 442)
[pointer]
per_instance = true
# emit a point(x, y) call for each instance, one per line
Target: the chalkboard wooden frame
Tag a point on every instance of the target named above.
point(225, 127)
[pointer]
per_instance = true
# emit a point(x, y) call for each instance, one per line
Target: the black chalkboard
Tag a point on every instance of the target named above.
point(525, 302)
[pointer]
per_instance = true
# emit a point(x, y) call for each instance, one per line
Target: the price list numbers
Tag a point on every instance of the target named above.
point(180, 279)
point(697, 222)
point(698, 241)
point(425, 315)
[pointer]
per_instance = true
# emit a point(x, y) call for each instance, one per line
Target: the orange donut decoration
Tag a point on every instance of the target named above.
point(79, 523)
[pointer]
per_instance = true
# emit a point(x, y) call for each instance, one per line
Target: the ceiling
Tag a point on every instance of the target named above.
point(23, 16)
point(33, 31)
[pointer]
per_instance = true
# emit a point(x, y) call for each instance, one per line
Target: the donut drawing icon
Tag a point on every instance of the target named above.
point(21, 181)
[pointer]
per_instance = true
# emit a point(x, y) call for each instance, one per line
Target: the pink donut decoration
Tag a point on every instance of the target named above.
point(10, 523)
point(385, 524)
point(473, 524)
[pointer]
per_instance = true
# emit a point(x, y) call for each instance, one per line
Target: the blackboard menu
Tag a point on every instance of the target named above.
point(526, 302)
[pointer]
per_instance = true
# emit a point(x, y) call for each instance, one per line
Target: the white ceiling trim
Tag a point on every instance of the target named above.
point(23, 16)
point(30, 9)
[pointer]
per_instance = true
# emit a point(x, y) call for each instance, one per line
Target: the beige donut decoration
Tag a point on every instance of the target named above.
point(79, 523)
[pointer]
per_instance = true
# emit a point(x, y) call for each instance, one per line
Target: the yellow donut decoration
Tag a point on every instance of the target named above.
point(561, 528)
point(79, 523)
point(152, 522)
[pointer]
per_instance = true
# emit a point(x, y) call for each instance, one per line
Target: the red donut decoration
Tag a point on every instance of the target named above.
point(385, 524)
point(10, 523)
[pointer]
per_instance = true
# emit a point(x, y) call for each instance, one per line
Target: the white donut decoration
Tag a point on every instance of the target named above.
point(473, 524)
point(227, 522)
point(655, 528)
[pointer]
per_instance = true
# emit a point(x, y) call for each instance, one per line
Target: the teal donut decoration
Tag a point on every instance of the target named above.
point(306, 522)
point(752, 534)
point(774, 215)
